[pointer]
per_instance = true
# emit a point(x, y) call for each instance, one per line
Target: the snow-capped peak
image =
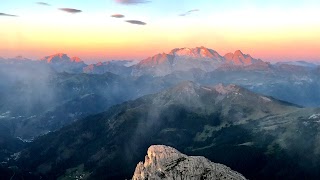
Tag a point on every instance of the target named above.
point(198, 52)
point(185, 59)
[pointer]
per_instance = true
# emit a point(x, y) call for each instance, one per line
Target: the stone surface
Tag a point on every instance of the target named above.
point(163, 162)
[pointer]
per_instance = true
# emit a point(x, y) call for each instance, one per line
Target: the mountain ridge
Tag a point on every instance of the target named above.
point(212, 121)
point(177, 59)
point(184, 59)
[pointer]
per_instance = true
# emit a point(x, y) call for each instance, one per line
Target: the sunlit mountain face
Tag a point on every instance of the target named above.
point(151, 89)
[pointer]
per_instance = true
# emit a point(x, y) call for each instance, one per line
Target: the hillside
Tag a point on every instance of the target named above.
point(226, 124)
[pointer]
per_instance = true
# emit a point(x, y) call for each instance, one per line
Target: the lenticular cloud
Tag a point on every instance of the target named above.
point(128, 2)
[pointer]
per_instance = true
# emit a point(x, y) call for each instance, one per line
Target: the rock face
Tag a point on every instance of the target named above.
point(238, 58)
point(63, 63)
point(163, 162)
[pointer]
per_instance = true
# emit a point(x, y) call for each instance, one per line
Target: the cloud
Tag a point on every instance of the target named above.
point(43, 4)
point(128, 2)
point(11, 15)
point(136, 22)
point(117, 16)
point(70, 10)
point(189, 12)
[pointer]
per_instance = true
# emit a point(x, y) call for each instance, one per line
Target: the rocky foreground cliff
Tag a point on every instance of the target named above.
point(163, 162)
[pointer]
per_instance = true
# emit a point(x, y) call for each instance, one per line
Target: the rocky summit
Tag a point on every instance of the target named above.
point(164, 162)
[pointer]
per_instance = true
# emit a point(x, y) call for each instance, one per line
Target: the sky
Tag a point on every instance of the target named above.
point(98, 30)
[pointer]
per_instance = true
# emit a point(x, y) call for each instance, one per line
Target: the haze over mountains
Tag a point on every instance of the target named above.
point(253, 134)
point(205, 65)
point(36, 95)
point(179, 59)
point(98, 120)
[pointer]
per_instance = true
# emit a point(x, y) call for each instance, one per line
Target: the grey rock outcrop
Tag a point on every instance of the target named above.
point(163, 162)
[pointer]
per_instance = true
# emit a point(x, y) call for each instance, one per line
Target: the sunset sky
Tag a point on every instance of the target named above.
point(272, 30)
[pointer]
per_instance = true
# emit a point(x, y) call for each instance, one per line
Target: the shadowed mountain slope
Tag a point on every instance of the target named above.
point(226, 124)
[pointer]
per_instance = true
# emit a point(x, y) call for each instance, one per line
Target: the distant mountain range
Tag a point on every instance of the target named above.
point(298, 63)
point(63, 63)
point(45, 95)
point(35, 83)
point(179, 59)
point(62, 118)
point(185, 59)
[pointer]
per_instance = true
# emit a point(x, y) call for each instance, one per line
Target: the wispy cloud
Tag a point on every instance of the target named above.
point(70, 10)
point(43, 4)
point(117, 16)
point(10, 15)
point(189, 12)
point(136, 22)
point(128, 2)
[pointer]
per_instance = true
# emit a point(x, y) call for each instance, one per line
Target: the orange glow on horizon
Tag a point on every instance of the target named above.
point(96, 41)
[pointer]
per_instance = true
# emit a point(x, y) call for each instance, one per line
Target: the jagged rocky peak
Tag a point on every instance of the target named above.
point(164, 162)
point(56, 57)
point(237, 53)
point(61, 57)
point(76, 59)
point(198, 52)
point(238, 58)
